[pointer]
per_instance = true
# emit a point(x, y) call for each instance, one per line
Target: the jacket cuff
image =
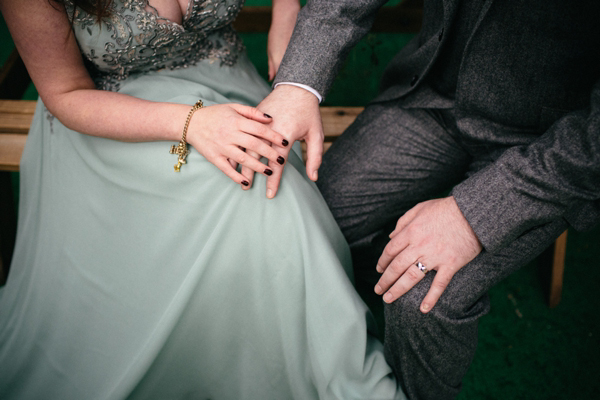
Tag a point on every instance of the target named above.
point(497, 209)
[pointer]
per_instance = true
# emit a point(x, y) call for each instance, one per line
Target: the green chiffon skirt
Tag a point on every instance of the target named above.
point(132, 281)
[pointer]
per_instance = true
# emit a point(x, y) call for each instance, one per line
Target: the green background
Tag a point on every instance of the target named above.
point(526, 350)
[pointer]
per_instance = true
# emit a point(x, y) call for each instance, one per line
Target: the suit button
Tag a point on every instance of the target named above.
point(441, 35)
point(414, 80)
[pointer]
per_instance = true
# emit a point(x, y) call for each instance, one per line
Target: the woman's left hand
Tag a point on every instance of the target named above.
point(282, 26)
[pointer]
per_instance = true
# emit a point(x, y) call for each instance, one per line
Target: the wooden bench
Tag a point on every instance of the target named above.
point(16, 115)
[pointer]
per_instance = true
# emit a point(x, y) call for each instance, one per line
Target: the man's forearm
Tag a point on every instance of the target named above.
point(324, 34)
point(531, 185)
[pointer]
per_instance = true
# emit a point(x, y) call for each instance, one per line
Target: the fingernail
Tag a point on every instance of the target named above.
point(315, 175)
point(378, 289)
point(425, 307)
point(269, 194)
point(387, 298)
point(378, 269)
point(267, 115)
point(285, 142)
point(280, 160)
point(245, 183)
point(268, 172)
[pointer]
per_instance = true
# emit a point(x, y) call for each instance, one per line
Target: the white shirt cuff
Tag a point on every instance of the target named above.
point(305, 87)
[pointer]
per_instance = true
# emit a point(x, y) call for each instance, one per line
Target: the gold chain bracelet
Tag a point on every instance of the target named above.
point(182, 148)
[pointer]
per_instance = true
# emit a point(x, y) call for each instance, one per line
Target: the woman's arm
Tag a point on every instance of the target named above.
point(283, 20)
point(44, 39)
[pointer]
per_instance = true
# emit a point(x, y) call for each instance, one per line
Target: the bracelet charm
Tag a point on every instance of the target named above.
point(181, 149)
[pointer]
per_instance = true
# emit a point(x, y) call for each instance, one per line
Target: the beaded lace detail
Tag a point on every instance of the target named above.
point(135, 39)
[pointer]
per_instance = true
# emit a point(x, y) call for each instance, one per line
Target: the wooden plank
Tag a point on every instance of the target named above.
point(17, 106)
point(16, 115)
point(558, 268)
point(337, 119)
point(15, 123)
point(11, 148)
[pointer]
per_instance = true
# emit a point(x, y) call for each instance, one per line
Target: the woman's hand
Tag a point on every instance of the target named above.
point(282, 25)
point(224, 133)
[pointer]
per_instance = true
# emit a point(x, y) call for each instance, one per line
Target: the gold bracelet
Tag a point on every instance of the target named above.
point(181, 149)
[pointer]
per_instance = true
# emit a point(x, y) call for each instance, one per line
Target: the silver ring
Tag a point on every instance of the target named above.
point(421, 267)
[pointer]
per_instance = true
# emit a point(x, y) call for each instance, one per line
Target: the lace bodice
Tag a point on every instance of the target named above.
point(135, 39)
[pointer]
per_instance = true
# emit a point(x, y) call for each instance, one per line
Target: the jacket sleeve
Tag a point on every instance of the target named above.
point(556, 176)
point(325, 32)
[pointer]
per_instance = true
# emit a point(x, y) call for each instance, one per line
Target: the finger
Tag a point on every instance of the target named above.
point(244, 159)
point(247, 172)
point(440, 283)
point(251, 113)
point(264, 132)
point(411, 276)
point(404, 220)
point(223, 164)
point(250, 142)
point(390, 252)
point(274, 180)
point(314, 155)
point(233, 164)
point(396, 269)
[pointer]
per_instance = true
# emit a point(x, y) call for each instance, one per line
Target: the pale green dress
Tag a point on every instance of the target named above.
point(132, 281)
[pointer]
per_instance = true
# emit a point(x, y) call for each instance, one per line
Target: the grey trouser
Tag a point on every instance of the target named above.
point(389, 160)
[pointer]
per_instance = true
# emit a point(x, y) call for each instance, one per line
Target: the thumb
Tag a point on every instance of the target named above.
point(314, 154)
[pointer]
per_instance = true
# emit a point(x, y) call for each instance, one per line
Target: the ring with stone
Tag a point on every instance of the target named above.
point(421, 267)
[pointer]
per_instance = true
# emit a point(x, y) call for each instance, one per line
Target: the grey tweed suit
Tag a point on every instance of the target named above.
point(496, 101)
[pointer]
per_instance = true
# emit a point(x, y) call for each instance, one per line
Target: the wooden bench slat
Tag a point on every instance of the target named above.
point(337, 119)
point(15, 119)
point(11, 148)
point(17, 106)
point(15, 123)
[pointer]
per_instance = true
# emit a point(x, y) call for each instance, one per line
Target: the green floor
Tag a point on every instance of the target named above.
point(526, 350)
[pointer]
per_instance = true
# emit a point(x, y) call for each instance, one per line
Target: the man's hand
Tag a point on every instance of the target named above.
point(434, 233)
point(296, 116)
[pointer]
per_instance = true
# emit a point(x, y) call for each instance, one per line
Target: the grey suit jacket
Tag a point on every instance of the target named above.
point(528, 81)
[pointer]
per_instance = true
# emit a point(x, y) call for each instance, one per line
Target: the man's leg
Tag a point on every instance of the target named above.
point(387, 161)
point(430, 353)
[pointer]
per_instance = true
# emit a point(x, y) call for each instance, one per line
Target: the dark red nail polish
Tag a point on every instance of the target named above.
point(280, 160)
point(285, 142)
point(267, 115)
point(268, 172)
point(245, 183)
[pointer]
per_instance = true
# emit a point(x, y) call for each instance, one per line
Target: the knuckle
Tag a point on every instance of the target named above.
point(390, 250)
point(412, 229)
point(413, 275)
point(260, 130)
point(396, 267)
point(441, 283)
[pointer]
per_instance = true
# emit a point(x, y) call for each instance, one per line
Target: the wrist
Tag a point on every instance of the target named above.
point(182, 148)
point(299, 90)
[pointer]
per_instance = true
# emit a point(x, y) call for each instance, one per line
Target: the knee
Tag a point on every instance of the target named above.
point(455, 305)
